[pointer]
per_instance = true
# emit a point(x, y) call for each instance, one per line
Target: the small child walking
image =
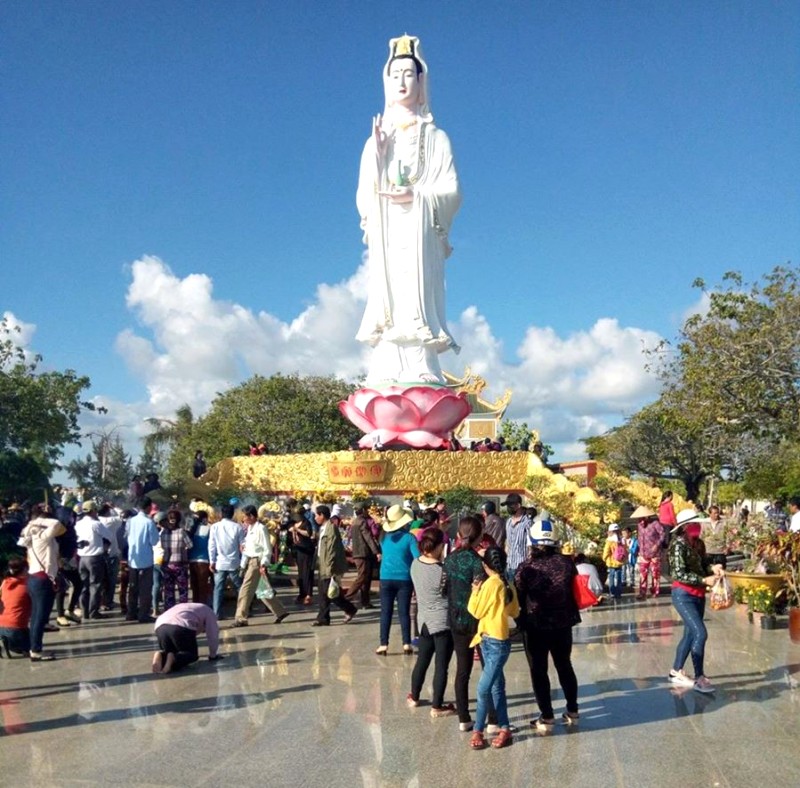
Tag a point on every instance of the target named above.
point(631, 542)
point(492, 602)
point(615, 556)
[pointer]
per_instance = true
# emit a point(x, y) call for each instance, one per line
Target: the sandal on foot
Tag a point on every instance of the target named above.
point(410, 702)
point(543, 726)
point(570, 717)
point(477, 742)
point(503, 739)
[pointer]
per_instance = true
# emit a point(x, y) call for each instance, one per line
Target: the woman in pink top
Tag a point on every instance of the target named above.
point(666, 511)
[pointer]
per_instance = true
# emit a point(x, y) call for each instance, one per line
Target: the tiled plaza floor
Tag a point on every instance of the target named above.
point(292, 705)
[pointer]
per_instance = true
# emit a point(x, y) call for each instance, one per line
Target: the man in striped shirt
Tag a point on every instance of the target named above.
point(518, 527)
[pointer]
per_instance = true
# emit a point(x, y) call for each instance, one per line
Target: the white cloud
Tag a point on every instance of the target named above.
point(191, 346)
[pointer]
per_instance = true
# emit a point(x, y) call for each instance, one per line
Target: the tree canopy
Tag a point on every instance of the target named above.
point(740, 362)
point(107, 469)
point(288, 413)
point(730, 403)
point(661, 442)
point(39, 412)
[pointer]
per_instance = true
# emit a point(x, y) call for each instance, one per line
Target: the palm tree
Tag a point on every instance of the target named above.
point(167, 435)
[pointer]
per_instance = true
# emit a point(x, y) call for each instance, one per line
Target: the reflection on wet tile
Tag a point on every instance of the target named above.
point(288, 702)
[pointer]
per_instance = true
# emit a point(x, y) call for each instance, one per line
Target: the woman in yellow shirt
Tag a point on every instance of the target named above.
point(492, 602)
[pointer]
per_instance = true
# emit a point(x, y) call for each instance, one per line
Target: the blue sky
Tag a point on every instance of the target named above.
point(609, 153)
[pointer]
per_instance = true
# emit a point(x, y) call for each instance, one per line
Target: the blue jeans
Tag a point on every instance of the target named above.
point(615, 581)
point(220, 576)
point(691, 609)
point(401, 591)
point(19, 640)
point(492, 683)
point(42, 594)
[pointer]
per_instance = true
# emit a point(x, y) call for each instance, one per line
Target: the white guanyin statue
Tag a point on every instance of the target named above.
point(407, 197)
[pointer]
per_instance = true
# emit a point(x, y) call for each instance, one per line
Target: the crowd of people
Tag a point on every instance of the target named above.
point(462, 588)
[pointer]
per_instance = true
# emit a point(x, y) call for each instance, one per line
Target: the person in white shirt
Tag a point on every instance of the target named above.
point(256, 555)
point(794, 510)
point(225, 543)
point(110, 519)
point(91, 535)
point(39, 539)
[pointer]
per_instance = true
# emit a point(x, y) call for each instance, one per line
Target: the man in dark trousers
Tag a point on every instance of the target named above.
point(366, 553)
point(332, 565)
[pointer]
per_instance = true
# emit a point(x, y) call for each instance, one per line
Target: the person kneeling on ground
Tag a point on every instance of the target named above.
point(177, 630)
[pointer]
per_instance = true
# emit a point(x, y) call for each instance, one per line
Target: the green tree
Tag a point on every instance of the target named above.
point(289, 413)
point(461, 499)
point(151, 460)
point(169, 442)
point(516, 435)
point(38, 410)
point(664, 441)
point(107, 469)
point(739, 364)
point(21, 478)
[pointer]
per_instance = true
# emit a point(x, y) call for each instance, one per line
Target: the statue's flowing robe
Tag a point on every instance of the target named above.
point(408, 245)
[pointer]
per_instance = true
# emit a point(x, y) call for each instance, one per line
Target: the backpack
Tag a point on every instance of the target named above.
point(619, 553)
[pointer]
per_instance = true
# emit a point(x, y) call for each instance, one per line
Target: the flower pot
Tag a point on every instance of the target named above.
point(794, 624)
point(768, 621)
point(753, 580)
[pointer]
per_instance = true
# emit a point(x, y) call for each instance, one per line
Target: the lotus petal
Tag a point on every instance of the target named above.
point(446, 414)
point(355, 416)
point(425, 397)
point(394, 412)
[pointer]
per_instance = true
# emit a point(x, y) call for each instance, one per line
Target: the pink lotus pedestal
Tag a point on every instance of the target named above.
point(419, 416)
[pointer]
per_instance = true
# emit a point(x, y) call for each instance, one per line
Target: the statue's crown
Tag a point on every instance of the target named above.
point(404, 46)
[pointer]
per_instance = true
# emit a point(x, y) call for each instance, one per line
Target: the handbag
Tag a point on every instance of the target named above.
point(264, 589)
point(584, 596)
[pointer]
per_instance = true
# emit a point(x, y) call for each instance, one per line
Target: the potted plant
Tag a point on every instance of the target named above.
point(761, 599)
point(784, 549)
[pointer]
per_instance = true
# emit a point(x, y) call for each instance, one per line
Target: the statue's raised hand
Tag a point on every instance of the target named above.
point(379, 135)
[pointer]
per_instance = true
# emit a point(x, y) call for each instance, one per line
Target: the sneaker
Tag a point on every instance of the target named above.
point(63, 621)
point(493, 728)
point(703, 685)
point(465, 727)
point(443, 711)
point(410, 702)
point(680, 678)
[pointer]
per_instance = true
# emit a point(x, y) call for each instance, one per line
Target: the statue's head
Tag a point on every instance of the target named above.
point(402, 82)
point(405, 76)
